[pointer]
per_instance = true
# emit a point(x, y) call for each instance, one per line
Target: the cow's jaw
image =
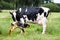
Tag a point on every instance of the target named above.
point(22, 20)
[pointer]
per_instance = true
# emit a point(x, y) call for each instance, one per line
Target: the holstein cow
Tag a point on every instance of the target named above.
point(31, 14)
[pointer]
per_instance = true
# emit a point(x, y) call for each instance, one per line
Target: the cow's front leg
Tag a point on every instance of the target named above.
point(22, 30)
point(13, 26)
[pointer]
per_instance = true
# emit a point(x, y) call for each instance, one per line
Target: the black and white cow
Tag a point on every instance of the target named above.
point(31, 14)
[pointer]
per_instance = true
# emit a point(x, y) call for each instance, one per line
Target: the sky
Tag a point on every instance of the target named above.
point(56, 1)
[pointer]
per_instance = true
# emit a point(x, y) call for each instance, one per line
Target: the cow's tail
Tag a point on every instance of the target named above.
point(48, 13)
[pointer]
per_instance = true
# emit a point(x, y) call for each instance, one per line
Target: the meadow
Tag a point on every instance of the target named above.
point(32, 33)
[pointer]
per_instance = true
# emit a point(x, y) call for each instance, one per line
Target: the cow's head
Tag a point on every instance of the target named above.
point(18, 17)
point(13, 14)
point(20, 25)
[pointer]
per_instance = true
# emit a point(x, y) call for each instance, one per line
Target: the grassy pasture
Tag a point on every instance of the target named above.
point(32, 33)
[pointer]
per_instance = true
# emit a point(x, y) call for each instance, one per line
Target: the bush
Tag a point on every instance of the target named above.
point(53, 7)
point(5, 5)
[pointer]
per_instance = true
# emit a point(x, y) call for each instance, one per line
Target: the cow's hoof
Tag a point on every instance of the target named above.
point(43, 32)
point(22, 32)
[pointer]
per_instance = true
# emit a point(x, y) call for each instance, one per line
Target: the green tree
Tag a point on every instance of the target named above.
point(15, 4)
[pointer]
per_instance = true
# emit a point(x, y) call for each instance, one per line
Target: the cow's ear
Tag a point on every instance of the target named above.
point(10, 13)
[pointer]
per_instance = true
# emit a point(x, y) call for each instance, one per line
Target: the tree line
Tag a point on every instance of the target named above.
point(14, 4)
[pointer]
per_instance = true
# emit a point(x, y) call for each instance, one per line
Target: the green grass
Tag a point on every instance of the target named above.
point(32, 33)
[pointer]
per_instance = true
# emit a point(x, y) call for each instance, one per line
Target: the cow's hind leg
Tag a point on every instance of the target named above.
point(44, 23)
point(44, 28)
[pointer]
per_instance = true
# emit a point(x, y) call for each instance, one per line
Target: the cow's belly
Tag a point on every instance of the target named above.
point(31, 21)
point(39, 21)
